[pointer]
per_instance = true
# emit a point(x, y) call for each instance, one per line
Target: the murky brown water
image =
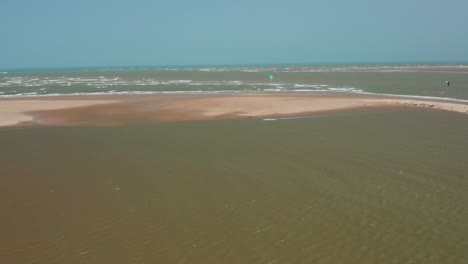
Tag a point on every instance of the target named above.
point(382, 187)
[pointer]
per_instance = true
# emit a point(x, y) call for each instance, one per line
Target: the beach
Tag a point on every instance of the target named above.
point(233, 132)
point(332, 164)
point(120, 109)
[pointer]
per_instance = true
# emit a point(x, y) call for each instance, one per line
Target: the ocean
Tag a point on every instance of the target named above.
point(416, 80)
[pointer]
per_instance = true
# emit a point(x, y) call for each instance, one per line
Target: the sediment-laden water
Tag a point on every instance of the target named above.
point(373, 187)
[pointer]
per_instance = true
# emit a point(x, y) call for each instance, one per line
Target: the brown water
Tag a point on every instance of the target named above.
point(381, 187)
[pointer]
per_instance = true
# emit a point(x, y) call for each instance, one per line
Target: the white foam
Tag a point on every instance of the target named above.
point(342, 89)
point(178, 82)
point(20, 95)
point(34, 94)
point(116, 85)
point(273, 90)
point(450, 99)
point(309, 90)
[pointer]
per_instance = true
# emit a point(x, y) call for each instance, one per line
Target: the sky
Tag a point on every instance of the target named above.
point(100, 33)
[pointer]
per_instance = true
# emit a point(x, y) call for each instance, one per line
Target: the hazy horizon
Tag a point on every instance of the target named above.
point(285, 64)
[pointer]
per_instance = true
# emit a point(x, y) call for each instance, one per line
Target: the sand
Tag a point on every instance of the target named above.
point(121, 109)
point(14, 111)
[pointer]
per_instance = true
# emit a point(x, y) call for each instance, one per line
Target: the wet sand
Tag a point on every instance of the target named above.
point(123, 109)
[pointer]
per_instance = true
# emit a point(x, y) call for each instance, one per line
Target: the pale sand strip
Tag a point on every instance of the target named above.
point(288, 105)
point(267, 105)
point(13, 111)
point(160, 107)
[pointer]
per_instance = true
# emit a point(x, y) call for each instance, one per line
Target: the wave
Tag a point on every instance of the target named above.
point(102, 82)
point(34, 94)
point(450, 99)
point(139, 93)
point(347, 68)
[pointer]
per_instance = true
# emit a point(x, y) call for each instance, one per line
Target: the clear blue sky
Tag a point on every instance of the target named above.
point(84, 33)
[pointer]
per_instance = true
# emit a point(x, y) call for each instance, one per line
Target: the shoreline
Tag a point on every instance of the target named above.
point(232, 93)
point(120, 109)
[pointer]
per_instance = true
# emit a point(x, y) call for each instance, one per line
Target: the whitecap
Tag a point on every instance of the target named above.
point(450, 99)
point(273, 90)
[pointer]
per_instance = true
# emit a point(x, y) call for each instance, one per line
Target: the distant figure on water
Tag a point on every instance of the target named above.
point(271, 76)
point(447, 83)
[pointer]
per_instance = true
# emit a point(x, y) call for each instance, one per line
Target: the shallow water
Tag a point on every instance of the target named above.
point(374, 187)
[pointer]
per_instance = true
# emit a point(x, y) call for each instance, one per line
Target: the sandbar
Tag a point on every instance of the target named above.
point(123, 109)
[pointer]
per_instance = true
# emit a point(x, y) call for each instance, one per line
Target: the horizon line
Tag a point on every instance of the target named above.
point(216, 65)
